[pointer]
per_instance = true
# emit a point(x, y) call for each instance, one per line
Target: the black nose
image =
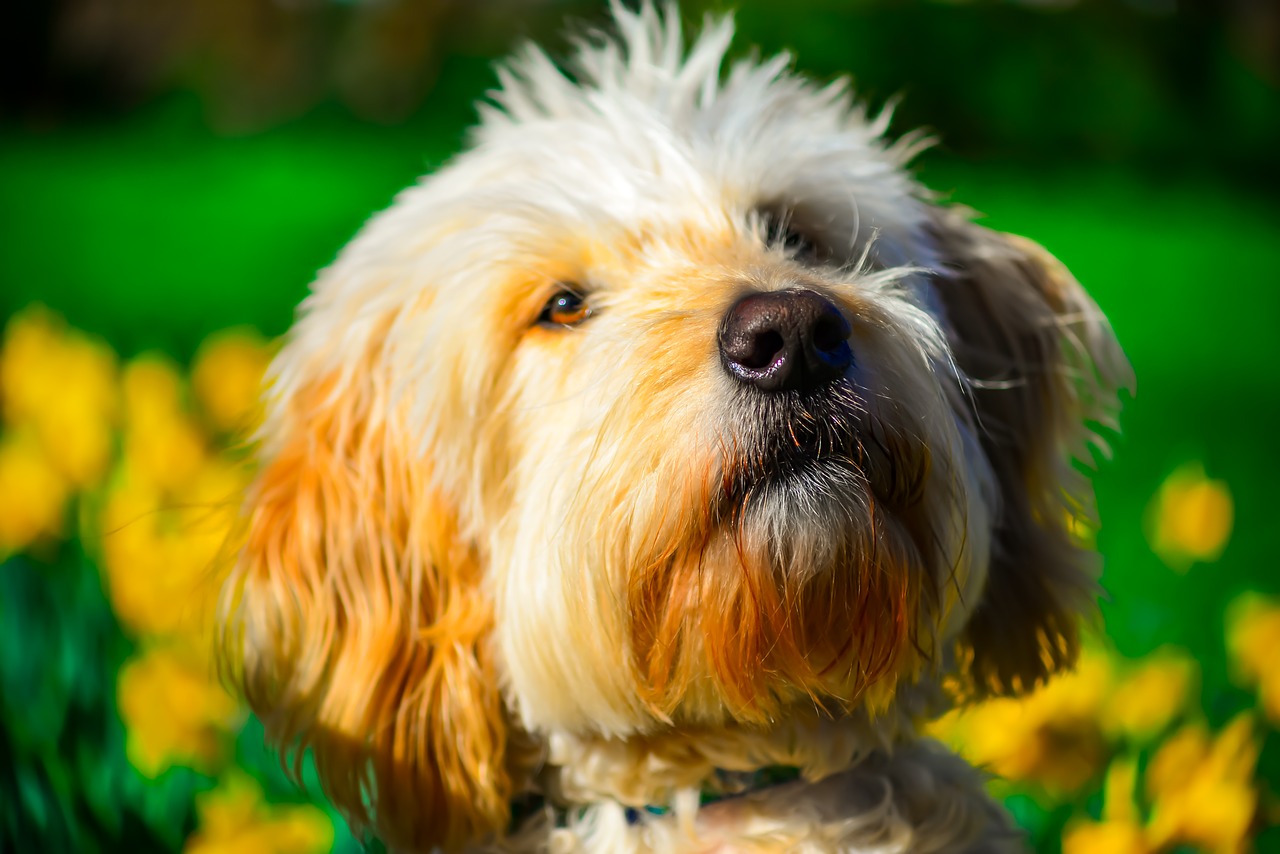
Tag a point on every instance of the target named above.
point(794, 339)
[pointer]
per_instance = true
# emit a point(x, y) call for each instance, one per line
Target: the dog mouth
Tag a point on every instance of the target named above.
point(811, 447)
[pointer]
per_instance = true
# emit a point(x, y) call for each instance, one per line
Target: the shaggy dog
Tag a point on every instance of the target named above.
point(641, 480)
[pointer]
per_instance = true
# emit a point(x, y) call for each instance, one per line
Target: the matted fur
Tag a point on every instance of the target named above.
point(487, 558)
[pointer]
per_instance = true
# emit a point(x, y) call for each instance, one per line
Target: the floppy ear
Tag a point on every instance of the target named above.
point(354, 622)
point(1043, 366)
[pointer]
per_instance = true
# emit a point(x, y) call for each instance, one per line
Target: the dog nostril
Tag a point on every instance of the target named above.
point(831, 333)
point(785, 340)
point(764, 348)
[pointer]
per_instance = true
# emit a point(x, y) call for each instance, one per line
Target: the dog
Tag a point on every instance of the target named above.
point(643, 479)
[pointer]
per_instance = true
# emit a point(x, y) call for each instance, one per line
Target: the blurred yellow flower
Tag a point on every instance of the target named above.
point(1052, 737)
point(1201, 788)
point(1120, 831)
point(163, 444)
point(1201, 793)
point(160, 556)
point(33, 494)
point(227, 379)
point(1190, 518)
point(1060, 736)
point(63, 384)
point(235, 820)
point(1105, 837)
point(1253, 641)
point(174, 710)
point(1149, 694)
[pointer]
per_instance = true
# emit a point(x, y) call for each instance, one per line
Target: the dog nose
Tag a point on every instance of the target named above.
point(785, 340)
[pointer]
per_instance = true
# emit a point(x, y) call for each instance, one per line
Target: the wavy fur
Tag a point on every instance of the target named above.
point(487, 559)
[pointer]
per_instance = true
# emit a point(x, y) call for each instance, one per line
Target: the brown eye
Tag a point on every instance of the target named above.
point(565, 308)
point(799, 245)
point(781, 231)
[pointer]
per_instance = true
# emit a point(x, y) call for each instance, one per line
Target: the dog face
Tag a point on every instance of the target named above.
point(673, 403)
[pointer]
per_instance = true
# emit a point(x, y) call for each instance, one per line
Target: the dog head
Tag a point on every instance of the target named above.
point(673, 402)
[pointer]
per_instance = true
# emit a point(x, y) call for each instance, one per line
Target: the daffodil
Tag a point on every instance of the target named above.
point(168, 511)
point(163, 444)
point(1105, 837)
point(1052, 737)
point(1201, 788)
point(1253, 638)
point(1060, 736)
point(174, 710)
point(234, 819)
point(1190, 518)
point(29, 361)
point(227, 379)
point(1201, 791)
point(1120, 830)
point(162, 555)
point(1149, 694)
point(33, 493)
point(62, 384)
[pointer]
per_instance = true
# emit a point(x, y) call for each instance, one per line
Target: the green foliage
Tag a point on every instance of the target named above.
point(65, 783)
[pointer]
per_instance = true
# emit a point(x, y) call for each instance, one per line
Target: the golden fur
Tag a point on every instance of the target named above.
point(486, 557)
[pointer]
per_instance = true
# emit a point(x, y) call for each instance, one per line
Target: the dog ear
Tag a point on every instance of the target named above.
point(354, 623)
point(1043, 368)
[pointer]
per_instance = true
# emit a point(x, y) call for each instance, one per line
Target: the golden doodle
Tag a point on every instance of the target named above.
point(642, 479)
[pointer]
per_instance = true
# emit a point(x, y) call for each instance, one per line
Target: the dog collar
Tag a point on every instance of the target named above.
point(729, 785)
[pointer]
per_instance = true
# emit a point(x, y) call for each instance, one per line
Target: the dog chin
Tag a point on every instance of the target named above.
point(818, 457)
point(803, 587)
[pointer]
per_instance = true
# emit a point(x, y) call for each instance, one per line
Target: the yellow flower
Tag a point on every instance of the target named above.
point(1119, 791)
point(162, 443)
point(174, 712)
point(227, 379)
point(1052, 737)
point(62, 383)
point(1253, 637)
point(1120, 831)
point(33, 494)
point(1201, 788)
point(1190, 518)
point(1105, 837)
point(235, 820)
point(161, 556)
point(1150, 694)
point(32, 346)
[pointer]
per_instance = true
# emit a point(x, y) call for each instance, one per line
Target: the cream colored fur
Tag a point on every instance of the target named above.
point(488, 558)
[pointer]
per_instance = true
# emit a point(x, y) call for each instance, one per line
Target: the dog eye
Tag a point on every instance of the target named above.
point(799, 245)
point(565, 308)
point(781, 231)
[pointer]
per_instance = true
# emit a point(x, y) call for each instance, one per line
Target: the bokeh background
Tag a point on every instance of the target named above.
point(173, 172)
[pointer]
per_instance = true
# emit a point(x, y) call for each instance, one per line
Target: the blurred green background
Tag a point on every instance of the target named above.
point(172, 169)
